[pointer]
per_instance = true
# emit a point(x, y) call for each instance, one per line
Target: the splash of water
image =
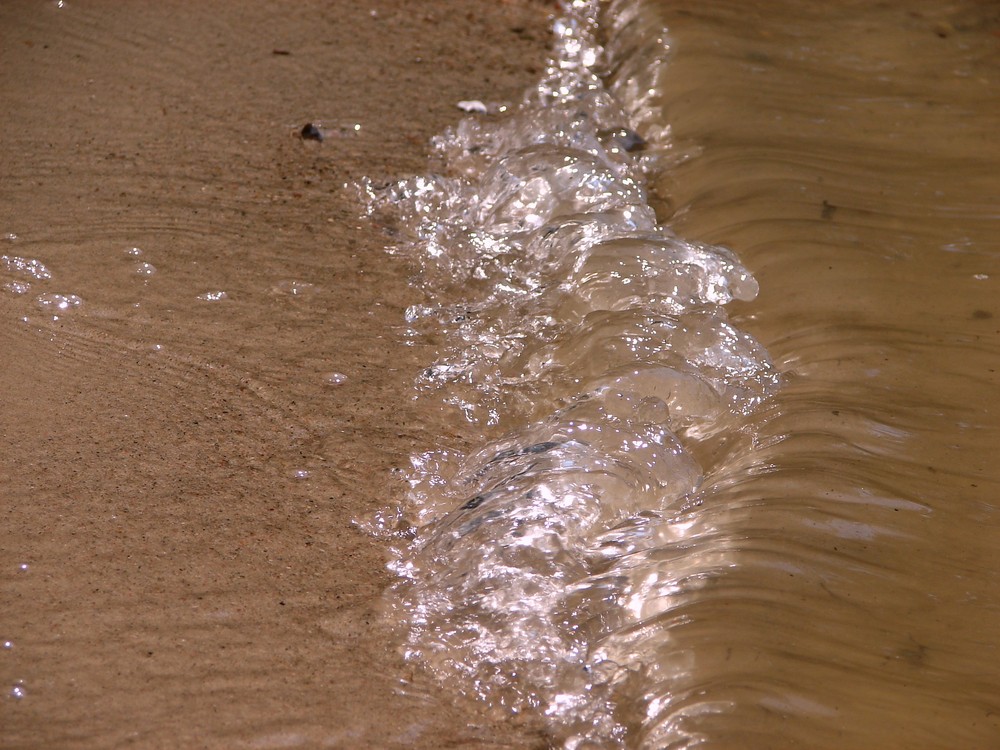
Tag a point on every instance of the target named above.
point(539, 572)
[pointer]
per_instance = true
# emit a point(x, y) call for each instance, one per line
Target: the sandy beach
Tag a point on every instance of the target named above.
point(181, 467)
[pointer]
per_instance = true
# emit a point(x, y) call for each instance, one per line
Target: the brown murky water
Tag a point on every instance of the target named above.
point(848, 153)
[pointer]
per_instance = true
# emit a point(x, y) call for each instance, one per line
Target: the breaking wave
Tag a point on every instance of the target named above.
point(590, 348)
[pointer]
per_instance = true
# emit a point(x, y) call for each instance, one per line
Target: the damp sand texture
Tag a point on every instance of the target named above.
point(179, 472)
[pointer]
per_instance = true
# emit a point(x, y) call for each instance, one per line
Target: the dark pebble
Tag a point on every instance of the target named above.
point(311, 133)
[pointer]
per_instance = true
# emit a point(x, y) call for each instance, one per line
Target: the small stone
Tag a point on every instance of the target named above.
point(472, 105)
point(311, 133)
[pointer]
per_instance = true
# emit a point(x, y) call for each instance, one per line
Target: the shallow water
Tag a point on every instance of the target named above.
point(661, 541)
point(849, 157)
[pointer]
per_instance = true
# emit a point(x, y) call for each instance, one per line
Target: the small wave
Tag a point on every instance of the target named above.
point(591, 348)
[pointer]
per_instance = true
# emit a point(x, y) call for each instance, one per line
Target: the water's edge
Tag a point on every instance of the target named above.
point(590, 347)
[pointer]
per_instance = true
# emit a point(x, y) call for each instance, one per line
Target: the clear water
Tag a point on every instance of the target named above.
point(684, 527)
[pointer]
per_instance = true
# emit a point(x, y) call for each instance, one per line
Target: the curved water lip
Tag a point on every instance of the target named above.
point(591, 348)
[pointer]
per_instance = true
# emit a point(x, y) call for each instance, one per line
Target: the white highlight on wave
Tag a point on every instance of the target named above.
point(534, 571)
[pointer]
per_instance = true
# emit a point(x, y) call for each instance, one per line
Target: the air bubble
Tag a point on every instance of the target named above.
point(293, 288)
point(214, 296)
point(335, 378)
point(58, 302)
point(25, 267)
point(17, 287)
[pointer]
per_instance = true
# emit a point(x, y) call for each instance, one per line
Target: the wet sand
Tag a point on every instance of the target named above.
point(178, 563)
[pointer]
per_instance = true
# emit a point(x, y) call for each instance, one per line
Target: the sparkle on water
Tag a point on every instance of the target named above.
point(592, 344)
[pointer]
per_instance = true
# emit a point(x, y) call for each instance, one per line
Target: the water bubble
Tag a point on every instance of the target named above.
point(17, 692)
point(10, 237)
point(133, 252)
point(302, 474)
point(980, 276)
point(145, 269)
point(29, 267)
point(17, 287)
point(386, 523)
point(58, 302)
point(653, 409)
point(335, 378)
point(8, 645)
point(293, 288)
point(214, 296)
point(23, 567)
